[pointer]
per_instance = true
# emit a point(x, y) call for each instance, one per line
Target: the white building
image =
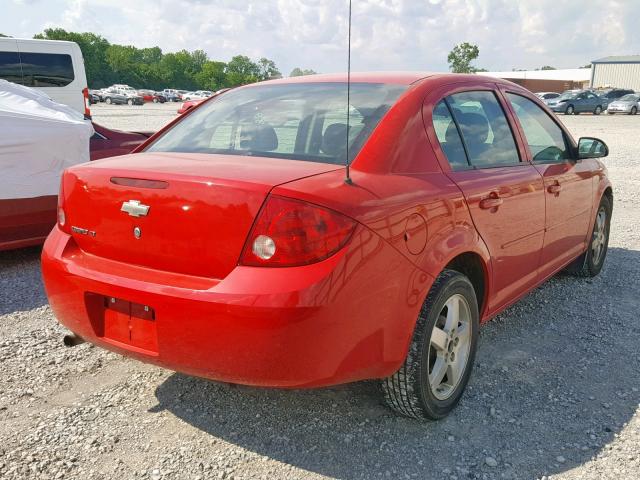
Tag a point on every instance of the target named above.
point(616, 72)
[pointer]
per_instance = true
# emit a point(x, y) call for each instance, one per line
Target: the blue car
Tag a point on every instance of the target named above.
point(571, 103)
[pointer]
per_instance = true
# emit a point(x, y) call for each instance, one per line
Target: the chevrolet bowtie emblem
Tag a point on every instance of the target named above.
point(135, 208)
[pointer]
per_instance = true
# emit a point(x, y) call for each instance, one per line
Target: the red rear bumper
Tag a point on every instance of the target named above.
point(347, 318)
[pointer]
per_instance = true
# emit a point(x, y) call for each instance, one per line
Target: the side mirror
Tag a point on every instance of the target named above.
point(589, 147)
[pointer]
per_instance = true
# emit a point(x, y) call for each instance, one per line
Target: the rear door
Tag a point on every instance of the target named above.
point(567, 182)
point(504, 194)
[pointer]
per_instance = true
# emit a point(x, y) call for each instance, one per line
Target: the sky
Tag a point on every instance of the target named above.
point(386, 34)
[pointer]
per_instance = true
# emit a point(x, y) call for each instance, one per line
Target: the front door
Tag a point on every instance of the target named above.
point(567, 183)
point(505, 195)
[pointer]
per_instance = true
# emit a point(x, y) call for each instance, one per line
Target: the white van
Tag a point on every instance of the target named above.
point(54, 67)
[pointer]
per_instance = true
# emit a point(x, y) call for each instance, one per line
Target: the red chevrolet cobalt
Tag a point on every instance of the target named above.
point(234, 245)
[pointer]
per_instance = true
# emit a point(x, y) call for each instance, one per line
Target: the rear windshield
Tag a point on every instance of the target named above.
point(305, 121)
point(630, 97)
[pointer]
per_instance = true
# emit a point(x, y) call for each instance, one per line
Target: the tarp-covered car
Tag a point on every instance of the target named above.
point(39, 138)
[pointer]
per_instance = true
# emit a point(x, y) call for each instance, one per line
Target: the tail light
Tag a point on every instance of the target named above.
point(292, 232)
point(63, 222)
point(87, 104)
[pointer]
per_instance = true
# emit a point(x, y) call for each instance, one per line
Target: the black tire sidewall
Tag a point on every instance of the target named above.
point(634, 110)
point(570, 110)
point(594, 268)
point(458, 284)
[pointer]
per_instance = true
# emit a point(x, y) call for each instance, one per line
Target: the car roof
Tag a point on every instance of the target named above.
point(399, 78)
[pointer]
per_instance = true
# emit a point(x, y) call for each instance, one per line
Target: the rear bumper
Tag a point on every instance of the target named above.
point(347, 318)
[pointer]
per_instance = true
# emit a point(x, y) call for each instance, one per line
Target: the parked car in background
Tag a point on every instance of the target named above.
point(53, 67)
point(171, 94)
point(197, 95)
point(547, 96)
point(188, 105)
point(577, 102)
point(114, 96)
point(610, 95)
point(234, 247)
point(107, 142)
point(94, 96)
point(626, 104)
point(121, 96)
point(159, 97)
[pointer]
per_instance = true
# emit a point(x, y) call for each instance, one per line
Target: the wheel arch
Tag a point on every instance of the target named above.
point(473, 266)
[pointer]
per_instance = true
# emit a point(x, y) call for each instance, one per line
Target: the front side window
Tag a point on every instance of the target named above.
point(545, 139)
point(449, 137)
point(46, 69)
point(485, 130)
point(10, 69)
point(304, 121)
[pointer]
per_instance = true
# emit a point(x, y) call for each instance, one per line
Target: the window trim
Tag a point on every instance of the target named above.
point(568, 144)
point(506, 117)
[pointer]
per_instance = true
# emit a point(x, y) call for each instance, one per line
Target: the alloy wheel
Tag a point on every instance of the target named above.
point(599, 238)
point(449, 347)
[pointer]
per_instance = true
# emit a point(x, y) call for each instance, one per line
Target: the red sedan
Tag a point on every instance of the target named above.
point(188, 105)
point(237, 246)
point(27, 221)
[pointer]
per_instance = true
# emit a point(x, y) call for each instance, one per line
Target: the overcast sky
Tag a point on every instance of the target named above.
point(387, 34)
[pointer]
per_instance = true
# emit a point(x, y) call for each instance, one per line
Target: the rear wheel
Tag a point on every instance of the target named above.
point(107, 101)
point(634, 110)
point(570, 110)
point(440, 358)
point(155, 100)
point(590, 262)
point(130, 101)
point(598, 110)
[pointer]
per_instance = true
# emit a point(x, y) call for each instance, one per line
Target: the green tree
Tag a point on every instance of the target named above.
point(241, 70)
point(298, 72)
point(212, 76)
point(267, 69)
point(461, 56)
point(547, 67)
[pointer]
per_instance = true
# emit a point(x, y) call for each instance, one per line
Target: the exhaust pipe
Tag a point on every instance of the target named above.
point(72, 340)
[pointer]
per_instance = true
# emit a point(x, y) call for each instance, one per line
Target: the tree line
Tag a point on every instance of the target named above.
point(108, 63)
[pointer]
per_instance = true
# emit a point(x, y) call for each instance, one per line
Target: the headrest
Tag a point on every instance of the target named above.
point(475, 127)
point(334, 140)
point(261, 138)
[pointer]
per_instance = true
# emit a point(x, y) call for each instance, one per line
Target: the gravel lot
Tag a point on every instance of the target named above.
point(555, 393)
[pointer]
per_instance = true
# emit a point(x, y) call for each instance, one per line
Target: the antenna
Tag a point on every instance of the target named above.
point(347, 179)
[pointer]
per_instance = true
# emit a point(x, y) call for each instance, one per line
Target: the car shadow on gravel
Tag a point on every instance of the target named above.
point(21, 286)
point(556, 377)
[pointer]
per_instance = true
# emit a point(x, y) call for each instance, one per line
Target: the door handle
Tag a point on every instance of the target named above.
point(493, 201)
point(555, 189)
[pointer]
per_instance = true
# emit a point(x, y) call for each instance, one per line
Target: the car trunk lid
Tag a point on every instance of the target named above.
point(184, 213)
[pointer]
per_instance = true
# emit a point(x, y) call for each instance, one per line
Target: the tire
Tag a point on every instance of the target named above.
point(155, 100)
point(590, 262)
point(570, 110)
point(598, 110)
point(633, 111)
point(409, 390)
point(107, 100)
point(129, 102)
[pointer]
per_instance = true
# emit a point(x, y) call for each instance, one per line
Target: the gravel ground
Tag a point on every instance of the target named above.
point(555, 393)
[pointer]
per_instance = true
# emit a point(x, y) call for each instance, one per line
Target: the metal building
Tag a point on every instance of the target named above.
point(616, 72)
point(547, 80)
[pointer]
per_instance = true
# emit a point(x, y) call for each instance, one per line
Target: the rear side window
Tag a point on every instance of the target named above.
point(46, 69)
point(10, 69)
point(448, 136)
point(484, 128)
point(545, 139)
